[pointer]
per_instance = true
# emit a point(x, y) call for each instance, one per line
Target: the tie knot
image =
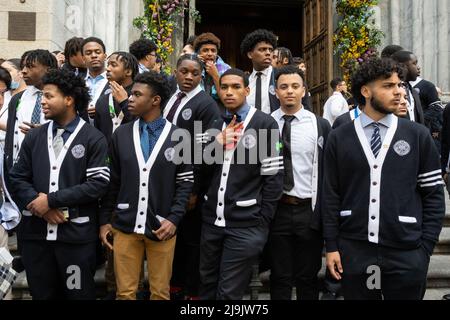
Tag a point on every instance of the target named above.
point(259, 74)
point(288, 118)
point(181, 95)
point(59, 132)
point(376, 125)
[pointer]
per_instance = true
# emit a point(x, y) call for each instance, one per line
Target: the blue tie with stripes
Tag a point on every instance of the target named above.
point(375, 142)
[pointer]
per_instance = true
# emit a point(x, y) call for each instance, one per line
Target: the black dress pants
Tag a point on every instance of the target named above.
point(296, 253)
point(374, 272)
point(60, 271)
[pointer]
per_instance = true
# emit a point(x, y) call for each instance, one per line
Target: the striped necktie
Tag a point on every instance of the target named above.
point(375, 142)
point(36, 116)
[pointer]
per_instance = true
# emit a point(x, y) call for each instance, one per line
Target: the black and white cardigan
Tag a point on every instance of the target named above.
point(75, 180)
point(141, 193)
point(244, 195)
point(395, 200)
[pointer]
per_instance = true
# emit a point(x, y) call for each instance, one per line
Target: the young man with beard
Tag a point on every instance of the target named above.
point(295, 238)
point(258, 46)
point(383, 199)
point(192, 109)
point(148, 193)
point(25, 108)
point(207, 46)
point(94, 55)
point(245, 184)
point(61, 173)
point(111, 109)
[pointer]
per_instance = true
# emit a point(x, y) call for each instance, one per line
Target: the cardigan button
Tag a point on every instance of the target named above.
point(50, 231)
point(373, 218)
point(145, 170)
point(144, 184)
point(222, 189)
point(372, 234)
point(375, 167)
point(53, 183)
point(141, 213)
point(139, 227)
point(54, 168)
point(375, 183)
point(373, 200)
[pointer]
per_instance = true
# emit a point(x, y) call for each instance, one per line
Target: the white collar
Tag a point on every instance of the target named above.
point(88, 75)
point(279, 114)
point(192, 93)
point(265, 72)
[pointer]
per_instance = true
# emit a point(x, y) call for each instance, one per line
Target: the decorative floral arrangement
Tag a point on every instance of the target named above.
point(159, 22)
point(357, 37)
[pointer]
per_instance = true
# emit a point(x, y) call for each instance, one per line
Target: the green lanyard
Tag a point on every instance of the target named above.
point(112, 110)
point(18, 105)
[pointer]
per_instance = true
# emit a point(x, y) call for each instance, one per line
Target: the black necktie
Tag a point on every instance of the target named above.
point(175, 106)
point(258, 95)
point(287, 155)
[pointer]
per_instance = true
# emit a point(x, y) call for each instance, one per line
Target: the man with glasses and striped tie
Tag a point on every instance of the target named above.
point(383, 199)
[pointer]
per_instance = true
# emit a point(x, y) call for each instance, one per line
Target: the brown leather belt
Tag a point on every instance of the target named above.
point(294, 200)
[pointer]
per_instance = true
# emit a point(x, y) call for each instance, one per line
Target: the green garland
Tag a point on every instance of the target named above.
point(159, 22)
point(356, 39)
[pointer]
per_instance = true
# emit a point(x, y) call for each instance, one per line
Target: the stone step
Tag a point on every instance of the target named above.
point(443, 247)
point(439, 272)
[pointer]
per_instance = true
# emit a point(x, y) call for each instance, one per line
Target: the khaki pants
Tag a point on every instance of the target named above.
point(129, 250)
point(4, 244)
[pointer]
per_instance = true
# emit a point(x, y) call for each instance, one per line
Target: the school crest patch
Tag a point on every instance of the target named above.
point(272, 90)
point(402, 148)
point(249, 141)
point(320, 142)
point(170, 154)
point(187, 114)
point(78, 151)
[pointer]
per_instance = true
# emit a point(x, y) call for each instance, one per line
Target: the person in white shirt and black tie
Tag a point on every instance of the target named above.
point(258, 46)
point(295, 240)
point(25, 108)
point(94, 55)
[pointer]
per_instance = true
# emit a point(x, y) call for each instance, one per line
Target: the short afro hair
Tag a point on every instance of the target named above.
point(93, 39)
point(389, 50)
point(190, 57)
point(236, 72)
point(157, 82)
point(402, 56)
point(142, 48)
point(206, 38)
point(71, 86)
point(252, 39)
point(289, 69)
point(372, 70)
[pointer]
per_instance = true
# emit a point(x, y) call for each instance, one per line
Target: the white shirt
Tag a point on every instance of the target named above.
point(335, 106)
point(24, 113)
point(411, 106)
point(184, 101)
point(265, 87)
point(4, 116)
point(96, 86)
point(303, 142)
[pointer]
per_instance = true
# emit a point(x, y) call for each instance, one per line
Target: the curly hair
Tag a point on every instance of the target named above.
point(285, 53)
point(252, 39)
point(71, 86)
point(142, 48)
point(43, 57)
point(73, 46)
point(206, 38)
point(157, 82)
point(289, 69)
point(129, 62)
point(373, 70)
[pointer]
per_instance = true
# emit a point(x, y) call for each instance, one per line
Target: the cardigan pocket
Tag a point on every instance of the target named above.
point(407, 219)
point(247, 203)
